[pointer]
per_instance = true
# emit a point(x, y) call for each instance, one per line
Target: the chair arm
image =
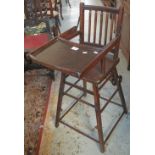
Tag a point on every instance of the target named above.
point(71, 33)
point(106, 49)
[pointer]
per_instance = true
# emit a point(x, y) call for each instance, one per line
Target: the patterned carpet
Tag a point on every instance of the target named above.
point(37, 86)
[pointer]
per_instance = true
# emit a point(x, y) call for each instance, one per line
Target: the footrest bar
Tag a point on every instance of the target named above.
point(82, 101)
point(72, 86)
point(79, 87)
point(113, 102)
point(75, 129)
point(108, 101)
point(106, 80)
point(72, 106)
point(114, 127)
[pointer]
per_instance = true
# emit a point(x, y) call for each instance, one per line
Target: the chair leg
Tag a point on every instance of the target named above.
point(85, 87)
point(118, 83)
point(61, 89)
point(98, 117)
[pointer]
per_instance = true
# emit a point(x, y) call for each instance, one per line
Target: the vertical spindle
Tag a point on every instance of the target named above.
point(101, 25)
point(106, 28)
point(95, 23)
point(89, 29)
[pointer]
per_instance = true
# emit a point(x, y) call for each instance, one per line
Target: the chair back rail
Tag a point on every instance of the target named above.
point(101, 27)
point(98, 24)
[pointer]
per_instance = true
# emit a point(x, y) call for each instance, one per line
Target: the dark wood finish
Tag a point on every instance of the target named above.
point(98, 57)
point(106, 27)
point(118, 80)
point(79, 131)
point(71, 33)
point(95, 23)
point(105, 14)
point(81, 23)
point(85, 87)
point(89, 29)
point(29, 65)
point(109, 100)
point(51, 57)
point(73, 104)
point(101, 25)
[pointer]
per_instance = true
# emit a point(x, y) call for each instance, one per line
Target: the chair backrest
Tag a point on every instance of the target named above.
point(99, 24)
point(101, 27)
point(38, 9)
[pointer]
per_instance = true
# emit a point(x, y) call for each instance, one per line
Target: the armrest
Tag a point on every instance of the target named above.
point(106, 49)
point(71, 33)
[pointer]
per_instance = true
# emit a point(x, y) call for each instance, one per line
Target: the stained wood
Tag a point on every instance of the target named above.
point(101, 26)
point(106, 28)
point(90, 63)
point(89, 29)
point(95, 23)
